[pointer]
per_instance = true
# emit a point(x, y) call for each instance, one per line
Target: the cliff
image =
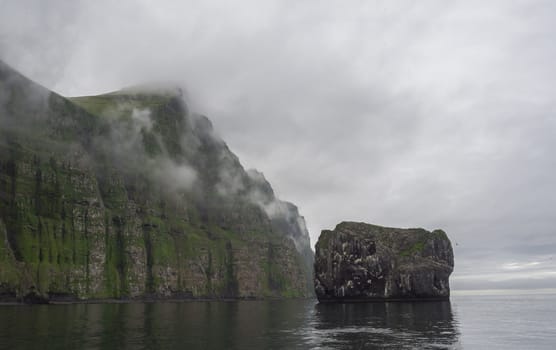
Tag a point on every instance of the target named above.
point(363, 262)
point(130, 195)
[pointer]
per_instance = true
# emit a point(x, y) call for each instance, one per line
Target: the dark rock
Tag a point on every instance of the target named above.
point(34, 297)
point(363, 262)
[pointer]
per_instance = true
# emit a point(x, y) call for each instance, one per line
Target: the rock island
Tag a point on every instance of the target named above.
point(364, 262)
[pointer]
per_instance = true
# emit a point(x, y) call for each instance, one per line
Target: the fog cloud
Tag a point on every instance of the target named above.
point(126, 144)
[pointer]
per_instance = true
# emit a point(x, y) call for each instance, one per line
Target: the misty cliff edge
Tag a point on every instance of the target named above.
point(130, 195)
point(364, 262)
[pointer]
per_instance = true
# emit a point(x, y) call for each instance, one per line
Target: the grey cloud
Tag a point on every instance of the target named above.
point(433, 114)
point(38, 34)
point(124, 142)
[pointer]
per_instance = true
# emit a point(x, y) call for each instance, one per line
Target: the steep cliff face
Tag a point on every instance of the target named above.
point(130, 195)
point(361, 262)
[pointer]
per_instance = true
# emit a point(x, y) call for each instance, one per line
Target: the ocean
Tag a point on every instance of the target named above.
point(467, 321)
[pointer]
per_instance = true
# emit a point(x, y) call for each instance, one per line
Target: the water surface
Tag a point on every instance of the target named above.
point(467, 322)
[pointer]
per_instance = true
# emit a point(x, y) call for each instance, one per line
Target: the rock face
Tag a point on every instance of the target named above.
point(130, 195)
point(363, 262)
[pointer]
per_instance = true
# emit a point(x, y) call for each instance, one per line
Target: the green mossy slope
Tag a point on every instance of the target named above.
point(129, 195)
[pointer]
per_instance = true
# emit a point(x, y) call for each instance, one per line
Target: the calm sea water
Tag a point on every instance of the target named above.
point(467, 322)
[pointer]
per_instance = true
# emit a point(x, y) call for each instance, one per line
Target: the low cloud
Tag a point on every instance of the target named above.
point(125, 143)
point(177, 177)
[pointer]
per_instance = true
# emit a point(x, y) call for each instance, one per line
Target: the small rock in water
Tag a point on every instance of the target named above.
point(364, 262)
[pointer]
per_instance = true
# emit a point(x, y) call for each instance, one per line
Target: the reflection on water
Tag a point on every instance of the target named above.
point(298, 324)
point(393, 325)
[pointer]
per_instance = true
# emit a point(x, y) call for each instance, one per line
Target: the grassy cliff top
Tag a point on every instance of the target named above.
point(363, 227)
point(116, 103)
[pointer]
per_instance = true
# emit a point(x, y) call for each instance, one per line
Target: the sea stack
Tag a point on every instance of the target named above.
point(364, 262)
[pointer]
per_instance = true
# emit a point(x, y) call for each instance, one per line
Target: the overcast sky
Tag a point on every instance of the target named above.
point(434, 114)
